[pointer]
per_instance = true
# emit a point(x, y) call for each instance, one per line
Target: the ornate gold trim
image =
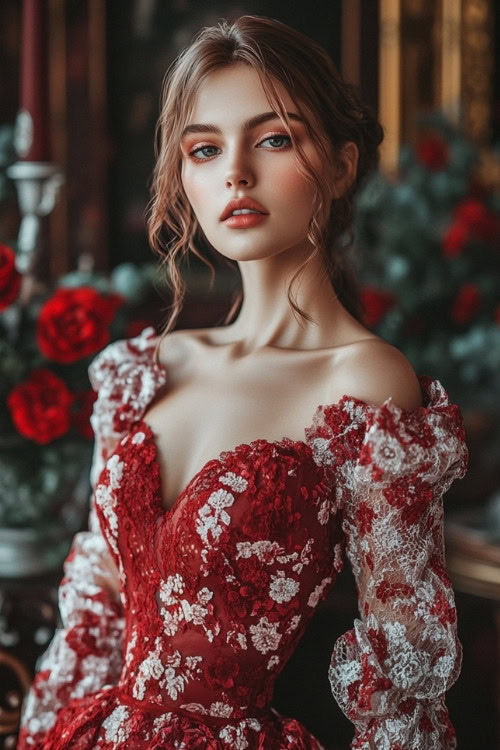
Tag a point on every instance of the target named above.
point(477, 62)
point(451, 60)
point(390, 82)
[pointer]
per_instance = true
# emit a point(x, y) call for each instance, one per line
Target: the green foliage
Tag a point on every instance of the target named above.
point(429, 240)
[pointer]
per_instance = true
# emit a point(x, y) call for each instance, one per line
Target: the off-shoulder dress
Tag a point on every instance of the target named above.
point(215, 593)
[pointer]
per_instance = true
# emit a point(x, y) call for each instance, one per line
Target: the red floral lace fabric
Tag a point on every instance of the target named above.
point(215, 593)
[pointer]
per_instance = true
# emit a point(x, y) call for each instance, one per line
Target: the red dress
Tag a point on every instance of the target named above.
point(216, 592)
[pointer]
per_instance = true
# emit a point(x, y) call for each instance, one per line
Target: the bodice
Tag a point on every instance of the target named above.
point(218, 589)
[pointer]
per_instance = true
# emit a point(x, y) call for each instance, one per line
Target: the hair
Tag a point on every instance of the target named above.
point(333, 114)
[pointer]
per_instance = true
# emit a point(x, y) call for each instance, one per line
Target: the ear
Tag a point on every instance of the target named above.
point(347, 168)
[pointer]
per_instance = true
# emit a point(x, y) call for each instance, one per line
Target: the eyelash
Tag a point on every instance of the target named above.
point(267, 138)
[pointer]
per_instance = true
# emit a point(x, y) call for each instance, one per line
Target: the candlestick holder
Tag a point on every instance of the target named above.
point(37, 184)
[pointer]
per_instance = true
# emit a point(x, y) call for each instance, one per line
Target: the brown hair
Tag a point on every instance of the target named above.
point(333, 113)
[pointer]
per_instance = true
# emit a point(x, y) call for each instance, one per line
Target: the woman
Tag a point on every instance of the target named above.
point(204, 561)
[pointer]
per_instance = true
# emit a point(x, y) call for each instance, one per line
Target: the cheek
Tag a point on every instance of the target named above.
point(195, 187)
point(296, 191)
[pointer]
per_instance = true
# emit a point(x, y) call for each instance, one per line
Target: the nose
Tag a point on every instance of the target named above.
point(239, 171)
point(232, 180)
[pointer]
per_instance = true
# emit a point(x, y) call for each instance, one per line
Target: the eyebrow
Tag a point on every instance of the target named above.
point(249, 124)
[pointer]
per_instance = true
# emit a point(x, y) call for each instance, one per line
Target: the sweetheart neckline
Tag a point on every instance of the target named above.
point(163, 512)
point(166, 512)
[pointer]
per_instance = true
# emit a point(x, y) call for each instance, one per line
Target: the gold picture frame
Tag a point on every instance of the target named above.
point(436, 55)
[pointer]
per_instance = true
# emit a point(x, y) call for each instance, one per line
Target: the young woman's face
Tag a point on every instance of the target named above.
point(233, 157)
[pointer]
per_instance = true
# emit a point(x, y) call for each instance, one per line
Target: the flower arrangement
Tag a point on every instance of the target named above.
point(46, 345)
point(428, 246)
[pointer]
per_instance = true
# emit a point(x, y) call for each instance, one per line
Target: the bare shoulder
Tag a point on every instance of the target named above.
point(176, 342)
point(180, 350)
point(373, 370)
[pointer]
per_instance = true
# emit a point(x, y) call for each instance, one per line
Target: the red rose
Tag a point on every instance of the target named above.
point(10, 278)
point(466, 304)
point(479, 219)
point(81, 419)
point(455, 239)
point(40, 406)
point(73, 323)
point(375, 304)
point(433, 152)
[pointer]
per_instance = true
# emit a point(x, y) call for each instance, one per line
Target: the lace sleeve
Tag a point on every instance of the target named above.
point(390, 672)
point(85, 653)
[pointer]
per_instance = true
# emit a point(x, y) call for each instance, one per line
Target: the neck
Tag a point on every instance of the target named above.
point(266, 318)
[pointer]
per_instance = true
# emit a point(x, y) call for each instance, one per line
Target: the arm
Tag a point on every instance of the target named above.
point(86, 651)
point(390, 672)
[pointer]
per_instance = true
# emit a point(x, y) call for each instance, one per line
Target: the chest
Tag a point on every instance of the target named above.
point(209, 406)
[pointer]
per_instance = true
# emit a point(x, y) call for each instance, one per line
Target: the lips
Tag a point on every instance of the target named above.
point(239, 203)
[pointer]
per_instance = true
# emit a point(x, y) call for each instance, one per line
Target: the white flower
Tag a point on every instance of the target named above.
point(173, 683)
point(150, 669)
point(170, 621)
point(344, 674)
point(115, 468)
point(173, 584)
point(220, 709)
point(444, 666)
point(322, 455)
point(237, 483)
point(220, 499)
point(283, 589)
point(395, 632)
point(409, 666)
point(138, 438)
point(273, 661)
point(264, 550)
point(265, 636)
point(114, 726)
point(162, 721)
point(233, 737)
point(387, 452)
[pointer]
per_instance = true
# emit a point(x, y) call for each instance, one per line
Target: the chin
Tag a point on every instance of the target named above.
point(249, 253)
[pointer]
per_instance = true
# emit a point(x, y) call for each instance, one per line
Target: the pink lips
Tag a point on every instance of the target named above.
point(239, 203)
point(242, 221)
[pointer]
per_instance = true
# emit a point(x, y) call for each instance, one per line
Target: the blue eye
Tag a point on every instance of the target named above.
point(277, 138)
point(202, 148)
point(284, 141)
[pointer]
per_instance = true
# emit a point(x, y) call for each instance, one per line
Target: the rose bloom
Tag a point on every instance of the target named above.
point(375, 304)
point(455, 239)
point(40, 406)
point(466, 304)
point(10, 278)
point(479, 219)
point(73, 323)
point(433, 152)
